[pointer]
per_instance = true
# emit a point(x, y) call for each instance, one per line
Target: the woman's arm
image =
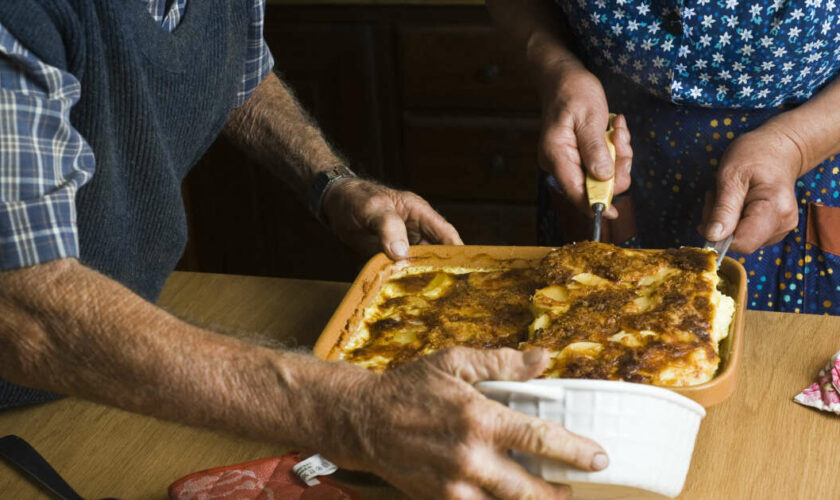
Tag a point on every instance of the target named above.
point(755, 184)
point(575, 110)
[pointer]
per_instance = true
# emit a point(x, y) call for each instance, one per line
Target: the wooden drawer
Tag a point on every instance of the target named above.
point(486, 224)
point(463, 67)
point(472, 159)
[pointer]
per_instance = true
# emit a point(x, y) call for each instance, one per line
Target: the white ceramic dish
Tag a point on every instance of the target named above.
point(648, 433)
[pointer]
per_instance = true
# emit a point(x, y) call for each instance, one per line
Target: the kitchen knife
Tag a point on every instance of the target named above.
point(600, 193)
point(720, 247)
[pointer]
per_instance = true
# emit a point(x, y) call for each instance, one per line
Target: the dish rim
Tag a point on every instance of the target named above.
point(512, 387)
point(379, 268)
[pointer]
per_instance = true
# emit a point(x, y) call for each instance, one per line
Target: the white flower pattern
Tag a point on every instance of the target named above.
point(714, 53)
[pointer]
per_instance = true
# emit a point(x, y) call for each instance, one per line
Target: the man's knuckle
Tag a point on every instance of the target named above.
point(471, 465)
point(372, 203)
point(457, 490)
point(475, 417)
point(538, 436)
point(460, 454)
point(456, 354)
point(451, 491)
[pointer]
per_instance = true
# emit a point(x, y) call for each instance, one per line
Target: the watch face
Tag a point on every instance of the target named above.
point(340, 171)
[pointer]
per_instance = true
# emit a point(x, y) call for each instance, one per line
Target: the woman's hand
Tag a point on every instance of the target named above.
point(425, 429)
point(372, 217)
point(575, 112)
point(755, 190)
point(575, 117)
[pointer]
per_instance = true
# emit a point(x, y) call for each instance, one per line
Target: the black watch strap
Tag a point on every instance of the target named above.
point(322, 183)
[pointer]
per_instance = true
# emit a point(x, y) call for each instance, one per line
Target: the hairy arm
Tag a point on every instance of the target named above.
point(69, 329)
point(423, 426)
point(273, 129)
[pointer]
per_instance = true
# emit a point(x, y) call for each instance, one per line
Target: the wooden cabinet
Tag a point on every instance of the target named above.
point(422, 98)
point(461, 66)
point(482, 159)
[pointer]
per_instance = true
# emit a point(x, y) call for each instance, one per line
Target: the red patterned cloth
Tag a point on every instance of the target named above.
point(264, 479)
point(824, 394)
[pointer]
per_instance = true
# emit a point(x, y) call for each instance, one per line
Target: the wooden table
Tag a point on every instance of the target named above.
point(757, 444)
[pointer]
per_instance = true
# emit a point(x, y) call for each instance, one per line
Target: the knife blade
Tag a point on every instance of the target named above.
point(720, 247)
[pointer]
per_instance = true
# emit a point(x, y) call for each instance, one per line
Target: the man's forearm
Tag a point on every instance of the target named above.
point(68, 329)
point(274, 129)
point(814, 127)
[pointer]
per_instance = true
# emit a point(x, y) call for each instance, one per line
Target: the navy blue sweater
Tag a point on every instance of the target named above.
point(152, 102)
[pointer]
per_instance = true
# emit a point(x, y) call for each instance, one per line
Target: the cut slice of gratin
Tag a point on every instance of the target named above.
point(653, 316)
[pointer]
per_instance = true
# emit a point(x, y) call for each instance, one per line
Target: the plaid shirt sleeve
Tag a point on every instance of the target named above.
point(43, 159)
point(258, 59)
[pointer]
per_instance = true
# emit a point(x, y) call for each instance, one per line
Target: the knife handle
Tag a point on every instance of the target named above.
point(602, 191)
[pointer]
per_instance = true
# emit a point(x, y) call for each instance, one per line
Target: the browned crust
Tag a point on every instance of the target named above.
point(481, 309)
point(487, 310)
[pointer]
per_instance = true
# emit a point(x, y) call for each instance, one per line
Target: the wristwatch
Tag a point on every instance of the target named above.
point(322, 183)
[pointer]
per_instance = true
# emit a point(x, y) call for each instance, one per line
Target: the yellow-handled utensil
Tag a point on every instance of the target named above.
point(600, 193)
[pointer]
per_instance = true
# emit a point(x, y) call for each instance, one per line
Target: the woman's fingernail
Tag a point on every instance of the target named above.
point(399, 248)
point(714, 231)
point(604, 171)
point(532, 356)
point(600, 461)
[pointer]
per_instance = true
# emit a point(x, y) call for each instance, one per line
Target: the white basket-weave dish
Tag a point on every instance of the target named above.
point(648, 433)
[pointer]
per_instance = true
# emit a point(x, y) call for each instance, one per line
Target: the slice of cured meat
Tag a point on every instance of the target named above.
point(264, 479)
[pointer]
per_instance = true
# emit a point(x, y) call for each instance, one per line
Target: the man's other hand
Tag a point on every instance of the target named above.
point(425, 429)
point(372, 217)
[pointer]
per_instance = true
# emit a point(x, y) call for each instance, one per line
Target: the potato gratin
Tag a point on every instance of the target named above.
point(650, 316)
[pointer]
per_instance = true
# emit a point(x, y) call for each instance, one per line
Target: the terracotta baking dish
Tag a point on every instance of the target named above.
point(347, 317)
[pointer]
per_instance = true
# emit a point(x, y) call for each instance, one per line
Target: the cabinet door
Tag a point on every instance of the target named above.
point(472, 158)
point(463, 67)
point(244, 220)
point(492, 224)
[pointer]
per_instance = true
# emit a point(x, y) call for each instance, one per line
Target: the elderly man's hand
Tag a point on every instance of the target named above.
point(755, 190)
point(372, 217)
point(575, 116)
point(429, 432)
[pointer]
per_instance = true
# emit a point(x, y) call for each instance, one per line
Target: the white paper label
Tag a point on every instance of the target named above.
point(312, 467)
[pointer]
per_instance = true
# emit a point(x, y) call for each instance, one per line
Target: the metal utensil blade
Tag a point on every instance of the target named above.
point(24, 456)
point(598, 209)
point(720, 247)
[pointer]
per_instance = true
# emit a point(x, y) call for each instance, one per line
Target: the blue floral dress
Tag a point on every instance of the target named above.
point(691, 76)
